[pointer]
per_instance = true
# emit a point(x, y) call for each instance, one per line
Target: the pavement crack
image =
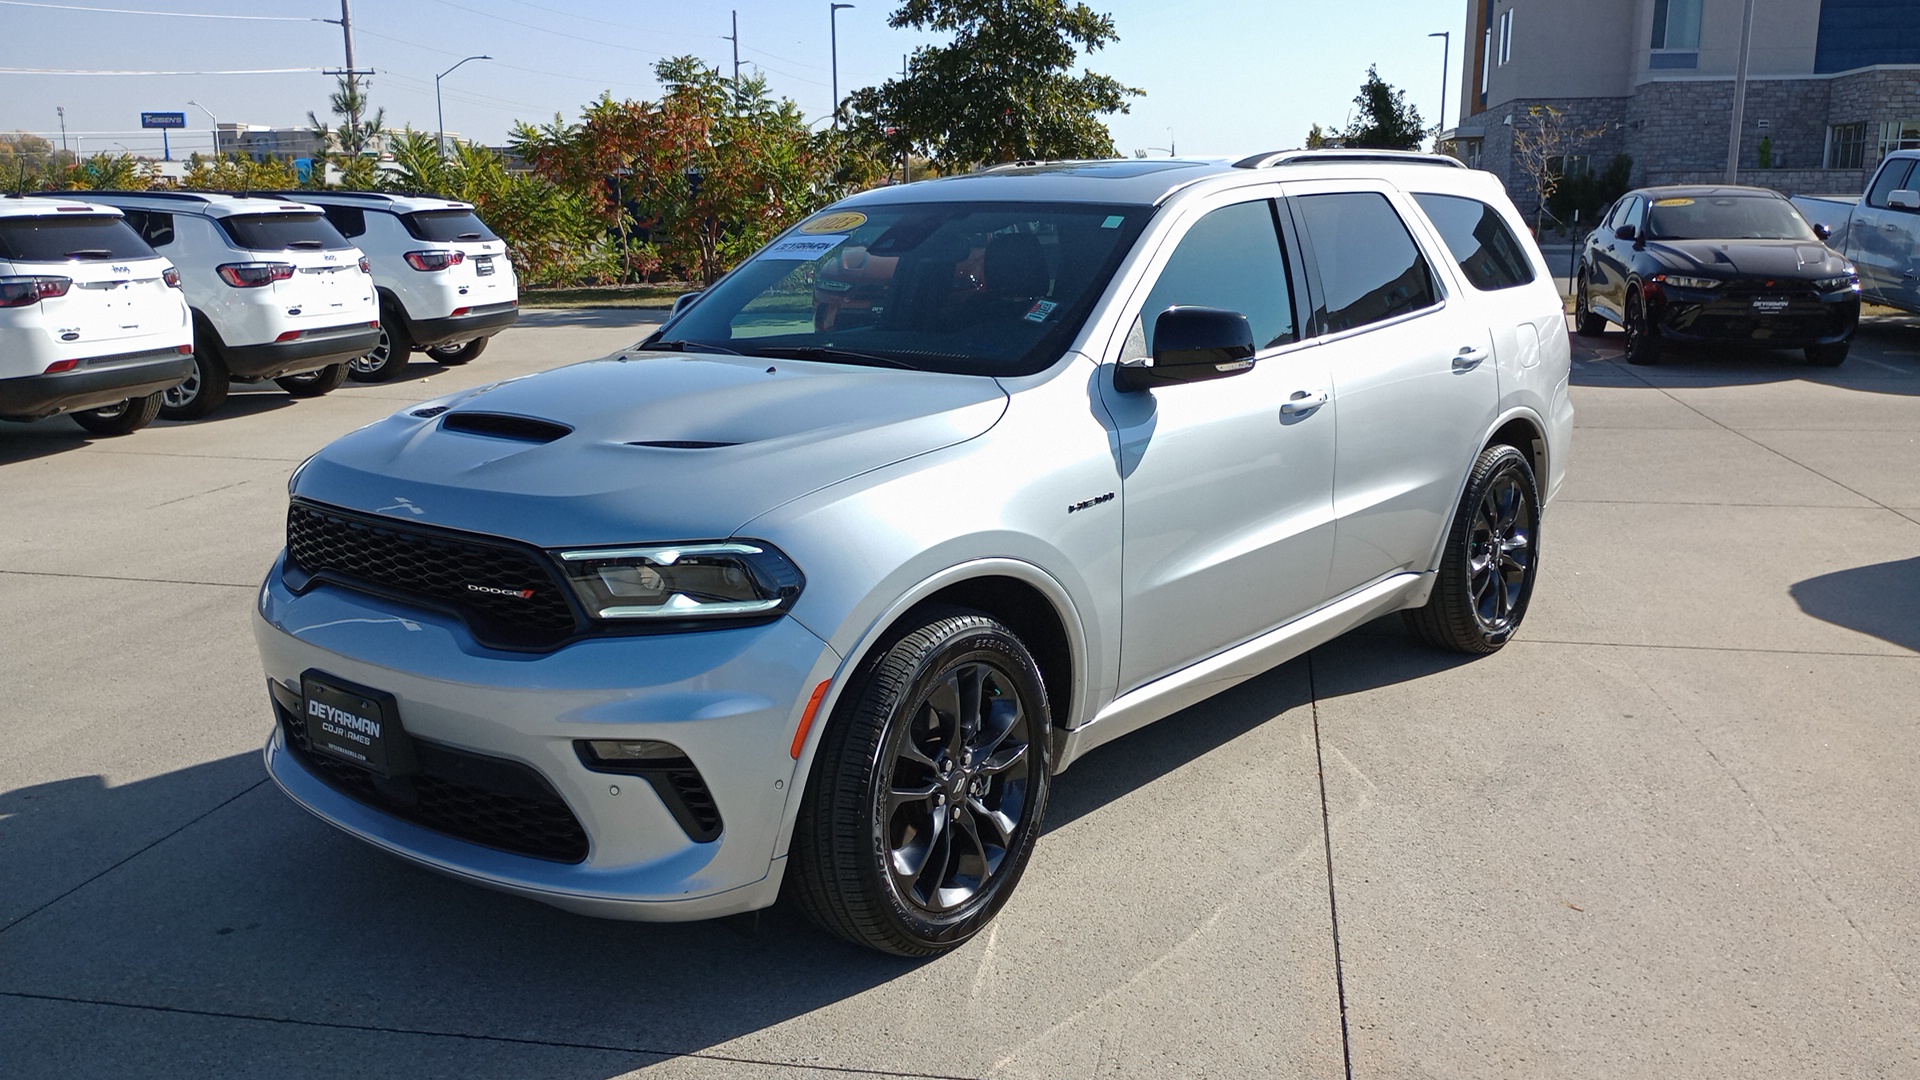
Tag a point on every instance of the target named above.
point(1333, 903)
point(1756, 650)
point(198, 494)
point(156, 842)
point(116, 577)
point(555, 1044)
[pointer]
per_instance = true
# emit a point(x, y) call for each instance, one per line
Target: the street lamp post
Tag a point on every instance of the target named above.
point(439, 112)
point(216, 126)
point(1446, 50)
point(833, 38)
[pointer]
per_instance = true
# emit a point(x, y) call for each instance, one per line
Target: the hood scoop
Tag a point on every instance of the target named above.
point(682, 444)
point(505, 426)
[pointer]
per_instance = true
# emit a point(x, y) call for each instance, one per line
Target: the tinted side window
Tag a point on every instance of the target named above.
point(154, 226)
point(1480, 241)
point(1614, 216)
point(350, 220)
point(1891, 179)
point(1230, 259)
point(1370, 269)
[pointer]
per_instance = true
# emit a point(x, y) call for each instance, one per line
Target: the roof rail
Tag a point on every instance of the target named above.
point(184, 196)
point(1276, 158)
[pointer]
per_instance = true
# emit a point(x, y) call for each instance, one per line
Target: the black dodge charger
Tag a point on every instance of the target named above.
point(1715, 264)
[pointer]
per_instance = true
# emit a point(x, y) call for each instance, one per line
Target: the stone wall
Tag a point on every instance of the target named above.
point(1785, 181)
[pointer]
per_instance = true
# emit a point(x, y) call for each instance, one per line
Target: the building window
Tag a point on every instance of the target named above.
point(1846, 146)
point(1899, 135)
point(1470, 152)
point(1506, 36)
point(1676, 34)
point(1486, 65)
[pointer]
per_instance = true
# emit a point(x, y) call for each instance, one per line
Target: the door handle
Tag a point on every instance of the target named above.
point(1303, 402)
point(1468, 358)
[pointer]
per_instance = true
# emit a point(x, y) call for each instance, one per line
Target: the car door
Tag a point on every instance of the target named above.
point(1227, 484)
point(1616, 257)
point(1597, 261)
point(1879, 239)
point(1493, 267)
point(1407, 352)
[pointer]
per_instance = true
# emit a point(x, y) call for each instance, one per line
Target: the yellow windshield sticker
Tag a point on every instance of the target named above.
point(1674, 202)
point(844, 221)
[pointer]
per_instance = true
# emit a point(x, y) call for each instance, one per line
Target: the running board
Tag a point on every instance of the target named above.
point(1168, 695)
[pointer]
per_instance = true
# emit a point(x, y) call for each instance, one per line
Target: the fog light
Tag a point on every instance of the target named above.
point(627, 753)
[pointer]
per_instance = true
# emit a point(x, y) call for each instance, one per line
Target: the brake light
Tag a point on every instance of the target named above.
point(435, 260)
point(59, 366)
point(22, 291)
point(183, 350)
point(255, 274)
point(459, 311)
point(364, 268)
point(171, 277)
point(288, 335)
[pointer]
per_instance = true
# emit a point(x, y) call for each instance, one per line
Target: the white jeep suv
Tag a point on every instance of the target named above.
point(92, 323)
point(277, 292)
point(822, 583)
point(446, 285)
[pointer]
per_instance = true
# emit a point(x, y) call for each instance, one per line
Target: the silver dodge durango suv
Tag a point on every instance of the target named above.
point(819, 586)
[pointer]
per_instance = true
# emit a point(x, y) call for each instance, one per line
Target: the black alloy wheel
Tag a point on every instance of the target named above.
point(459, 352)
point(123, 419)
point(314, 383)
point(928, 788)
point(1643, 341)
point(1492, 556)
point(204, 389)
point(1585, 322)
point(389, 355)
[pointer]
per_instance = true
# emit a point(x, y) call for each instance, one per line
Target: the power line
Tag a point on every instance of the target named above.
point(168, 14)
point(548, 30)
point(76, 71)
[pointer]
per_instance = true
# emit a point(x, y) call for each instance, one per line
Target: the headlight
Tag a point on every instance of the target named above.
point(732, 578)
point(1689, 282)
point(1835, 284)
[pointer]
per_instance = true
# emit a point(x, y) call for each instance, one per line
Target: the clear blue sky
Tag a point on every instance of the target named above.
point(1226, 76)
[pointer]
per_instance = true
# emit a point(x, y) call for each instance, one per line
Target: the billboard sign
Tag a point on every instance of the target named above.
point(163, 119)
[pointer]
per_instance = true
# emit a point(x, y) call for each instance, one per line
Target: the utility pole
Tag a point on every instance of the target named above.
point(352, 71)
point(62, 110)
point(833, 37)
point(735, 38)
point(906, 157)
point(1740, 97)
point(1446, 51)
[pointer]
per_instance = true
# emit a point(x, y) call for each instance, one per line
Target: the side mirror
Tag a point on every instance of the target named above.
point(1904, 200)
point(681, 301)
point(1626, 232)
point(1823, 232)
point(1192, 344)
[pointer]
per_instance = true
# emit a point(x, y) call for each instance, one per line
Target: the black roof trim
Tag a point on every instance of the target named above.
point(183, 196)
point(1276, 158)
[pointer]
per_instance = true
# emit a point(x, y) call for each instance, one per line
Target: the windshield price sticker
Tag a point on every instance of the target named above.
point(803, 247)
point(844, 221)
point(1673, 202)
point(1040, 310)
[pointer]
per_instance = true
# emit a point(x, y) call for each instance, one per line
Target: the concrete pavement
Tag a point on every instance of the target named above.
point(1668, 831)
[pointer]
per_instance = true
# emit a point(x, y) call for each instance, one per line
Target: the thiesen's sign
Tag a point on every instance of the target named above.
point(163, 119)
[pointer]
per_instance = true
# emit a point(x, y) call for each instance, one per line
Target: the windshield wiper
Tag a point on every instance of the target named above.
point(828, 353)
point(468, 236)
point(90, 253)
point(683, 345)
point(306, 243)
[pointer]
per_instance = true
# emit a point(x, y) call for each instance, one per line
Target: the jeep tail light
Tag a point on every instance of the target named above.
point(22, 291)
point(364, 267)
point(255, 274)
point(435, 260)
point(171, 277)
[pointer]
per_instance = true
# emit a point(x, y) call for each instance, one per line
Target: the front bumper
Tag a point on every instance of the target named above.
point(311, 351)
point(1793, 316)
point(98, 382)
point(730, 699)
point(480, 322)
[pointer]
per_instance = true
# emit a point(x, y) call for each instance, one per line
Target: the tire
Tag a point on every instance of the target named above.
point(455, 355)
point(314, 383)
point(1585, 322)
point(887, 788)
point(1478, 602)
point(202, 391)
point(1829, 355)
point(389, 357)
point(1643, 343)
point(123, 419)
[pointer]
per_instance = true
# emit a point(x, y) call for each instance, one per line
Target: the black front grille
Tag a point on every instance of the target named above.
point(483, 800)
point(508, 596)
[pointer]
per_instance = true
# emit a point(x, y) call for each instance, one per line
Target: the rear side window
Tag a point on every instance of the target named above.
point(1478, 238)
point(1370, 269)
point(350, 220)
point(154, 226)
point(1229, 259)
point(74, 236)
point(445, 226)
point(283, 232)
point(1891, 179)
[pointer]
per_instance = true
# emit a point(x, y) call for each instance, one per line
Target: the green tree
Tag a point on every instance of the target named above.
point(346, 145)
point(1384, 121)
point(1002, 89)
point(111, 172)
point(29, 162)
point(1318, 139)
point(236, 172)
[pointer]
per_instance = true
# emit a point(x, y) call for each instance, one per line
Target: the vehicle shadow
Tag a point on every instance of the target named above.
point(43, 438)
point(594, 318)
point(1885, 359)
point(1882, 600)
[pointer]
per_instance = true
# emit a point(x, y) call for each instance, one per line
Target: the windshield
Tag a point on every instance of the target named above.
point(57, 239)
point(284, 232)
point(1727, 217)
point(446, 226)
point(974, 288)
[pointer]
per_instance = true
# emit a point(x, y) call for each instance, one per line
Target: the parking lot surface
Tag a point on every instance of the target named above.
point(1668, 831)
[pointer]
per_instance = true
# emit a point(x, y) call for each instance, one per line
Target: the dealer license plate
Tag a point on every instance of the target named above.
point(483, 265)
point(1770, 305)
point(355, 724)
